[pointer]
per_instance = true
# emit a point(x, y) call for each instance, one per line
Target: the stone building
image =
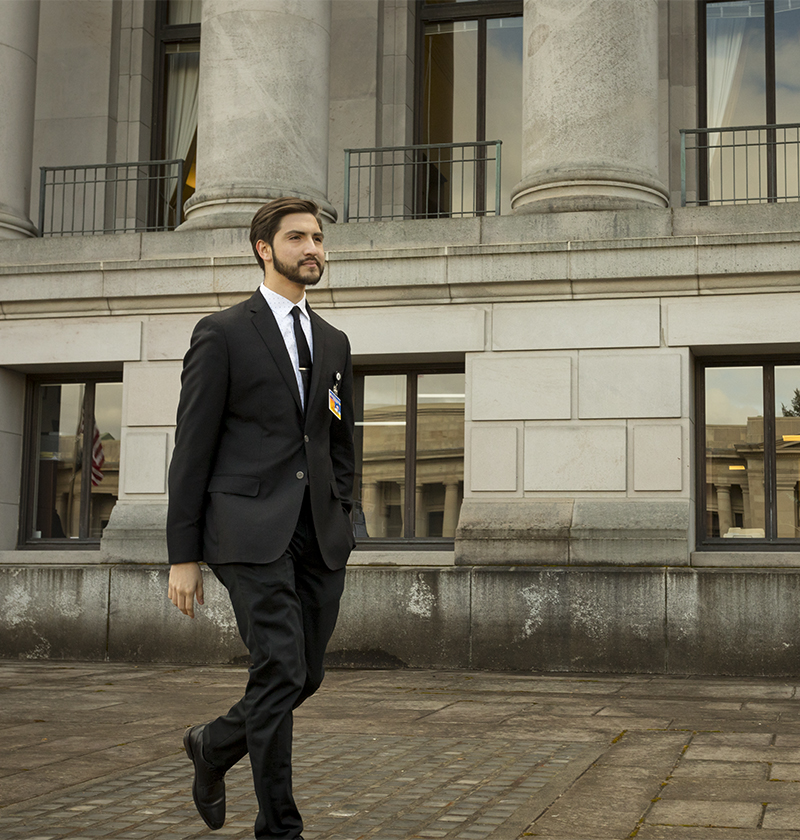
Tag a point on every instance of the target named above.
point(564, 239)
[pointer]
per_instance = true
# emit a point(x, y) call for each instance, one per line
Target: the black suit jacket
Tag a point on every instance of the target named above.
point(244, 451)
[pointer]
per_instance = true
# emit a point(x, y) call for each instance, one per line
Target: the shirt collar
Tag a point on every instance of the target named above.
point(280, 305)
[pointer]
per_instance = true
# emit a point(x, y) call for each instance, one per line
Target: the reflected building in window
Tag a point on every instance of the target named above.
point(74, 470)
point(752, 489)
point(417, 443)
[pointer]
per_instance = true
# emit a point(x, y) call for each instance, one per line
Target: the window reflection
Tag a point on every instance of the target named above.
point(440, 454)
point(734, 452)
point(383, 436)
point(787, 62)
point(390, 458)
point(787, 443)
point(503, 102)
point(67, 457)
point(787, 89)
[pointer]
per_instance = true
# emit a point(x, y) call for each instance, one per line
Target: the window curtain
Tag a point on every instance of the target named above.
point(724, 37)
point(181, 117)
point(183, 76)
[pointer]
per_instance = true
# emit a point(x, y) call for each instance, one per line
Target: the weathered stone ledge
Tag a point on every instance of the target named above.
point(686, 251)
point(589, 619)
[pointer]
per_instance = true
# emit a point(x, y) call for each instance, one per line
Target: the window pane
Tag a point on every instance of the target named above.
point(440, 454)
point(450, 95)
point(183, 11)
point(58, 476)
point(736, 96)
point(787, 96)
point(182, 77)
point(504, 104)
point(105, 454)
point(62, 461)
point(787, 431)
point(734, 452)
point(383, 431)
point(449, 114)
point(787, 62)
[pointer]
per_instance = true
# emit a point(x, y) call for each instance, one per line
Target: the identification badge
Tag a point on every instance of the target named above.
point(335, 405)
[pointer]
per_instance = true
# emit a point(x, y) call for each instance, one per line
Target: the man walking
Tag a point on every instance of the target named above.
point(261, 484)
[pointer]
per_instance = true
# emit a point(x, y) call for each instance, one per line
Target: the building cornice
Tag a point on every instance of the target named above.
point(404, 263)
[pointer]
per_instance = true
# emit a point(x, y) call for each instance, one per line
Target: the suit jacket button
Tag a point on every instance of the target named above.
point(300, 474)
point(305, 438)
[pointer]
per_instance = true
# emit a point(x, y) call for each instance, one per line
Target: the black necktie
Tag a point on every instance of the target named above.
point(303, 354)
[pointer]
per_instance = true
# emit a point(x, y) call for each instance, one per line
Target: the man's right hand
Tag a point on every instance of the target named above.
point(185, 583)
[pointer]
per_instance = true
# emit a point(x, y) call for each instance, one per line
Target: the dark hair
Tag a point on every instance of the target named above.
point(267, 220)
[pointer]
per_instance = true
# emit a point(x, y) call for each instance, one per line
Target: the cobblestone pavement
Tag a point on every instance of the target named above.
point(94, 751)
point(352, 787)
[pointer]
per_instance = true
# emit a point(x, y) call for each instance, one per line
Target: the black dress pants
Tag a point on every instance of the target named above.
point(286, 612)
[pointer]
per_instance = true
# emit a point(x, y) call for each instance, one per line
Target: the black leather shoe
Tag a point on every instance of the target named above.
point(208, 788)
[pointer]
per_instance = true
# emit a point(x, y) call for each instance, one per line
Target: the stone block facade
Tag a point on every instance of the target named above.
point(572, 534)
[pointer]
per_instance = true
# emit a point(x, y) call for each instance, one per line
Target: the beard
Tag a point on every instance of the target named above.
point(292, 272)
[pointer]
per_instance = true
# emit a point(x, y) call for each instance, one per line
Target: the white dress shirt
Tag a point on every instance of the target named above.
point(282, 310)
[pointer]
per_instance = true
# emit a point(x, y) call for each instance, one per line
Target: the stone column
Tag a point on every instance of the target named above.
point(19, 40)
point(590, 106)
point(724, 509)
point(451, 510)
point(402, 486)
point(420, 517)
point(370, 499)
point(786, 486)
point(755, 483)
point(262, 124)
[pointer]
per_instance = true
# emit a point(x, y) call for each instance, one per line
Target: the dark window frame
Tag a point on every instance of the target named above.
point(30, 451)
point(482, 11)
point(770, 91)
point(166, 34)
point(479, 10)
point(411, 371)
point(770, 542)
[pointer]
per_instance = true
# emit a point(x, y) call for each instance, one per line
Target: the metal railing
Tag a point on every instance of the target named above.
point(110, 198)
point(434, 181)
point(749, 164)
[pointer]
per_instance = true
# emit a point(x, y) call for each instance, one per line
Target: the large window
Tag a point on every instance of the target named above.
point(749, 434)
point(71, 480)
point(409, 434)
point(176, 84)
point(749, 77)
point(470, 89)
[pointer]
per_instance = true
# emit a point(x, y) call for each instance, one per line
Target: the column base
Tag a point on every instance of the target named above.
point(136, 533)
point(16, 227)
point(573, 532)
point(235, 208)
point(568, 194)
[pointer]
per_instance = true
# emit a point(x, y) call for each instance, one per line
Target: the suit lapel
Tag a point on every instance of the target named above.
point(264, 321)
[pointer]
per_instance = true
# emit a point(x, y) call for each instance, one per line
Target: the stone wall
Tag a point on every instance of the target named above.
point(575, 546)
point(534, 618)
